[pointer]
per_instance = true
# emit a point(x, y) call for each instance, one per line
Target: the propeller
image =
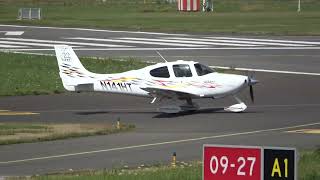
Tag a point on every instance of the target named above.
point(251, 94)
point(251, 82)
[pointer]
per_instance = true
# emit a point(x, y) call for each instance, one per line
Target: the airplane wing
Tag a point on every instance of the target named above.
point(169, 93)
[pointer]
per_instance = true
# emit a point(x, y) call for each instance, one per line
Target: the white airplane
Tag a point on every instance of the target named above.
point(178, 80)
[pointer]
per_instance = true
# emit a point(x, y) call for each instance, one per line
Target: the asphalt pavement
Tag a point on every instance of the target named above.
point(284, 102)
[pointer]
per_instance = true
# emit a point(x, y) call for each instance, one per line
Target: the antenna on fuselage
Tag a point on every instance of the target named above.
point(161, 56)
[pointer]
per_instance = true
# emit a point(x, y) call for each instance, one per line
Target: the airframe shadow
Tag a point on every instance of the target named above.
point(163, 115)
point(92, 112)
point(201, 111)
point(86, 113)
point(187, 113)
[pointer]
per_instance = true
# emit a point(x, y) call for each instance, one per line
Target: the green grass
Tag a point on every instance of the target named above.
point(309, 165)
point(184, 171)
point(232, 16)
point(12, 129)
point(20, 126)
point(309, 169)
point(32, 74)
point(14, 133)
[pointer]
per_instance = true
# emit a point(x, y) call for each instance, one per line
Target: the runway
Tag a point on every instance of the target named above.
point(284, 103)
point(293, 53)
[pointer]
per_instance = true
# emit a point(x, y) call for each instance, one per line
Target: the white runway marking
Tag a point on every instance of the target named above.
point(177, 48)
point(27, 43)
point(64, 42)
point(195, 57)
point(137, 42)
point(266, 70)
point(242, 41)
point(200, 48)
point(10, 46)
point(162, 143)
point(189, 42)
point(268, 40)
point(12, 33)
point(285, 105)
point(93, 30)
point(30, 53)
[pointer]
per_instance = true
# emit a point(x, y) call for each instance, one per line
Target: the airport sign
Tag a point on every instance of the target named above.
point(223, 162)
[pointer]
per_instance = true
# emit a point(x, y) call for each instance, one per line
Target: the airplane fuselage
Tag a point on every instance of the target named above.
point(213, 85)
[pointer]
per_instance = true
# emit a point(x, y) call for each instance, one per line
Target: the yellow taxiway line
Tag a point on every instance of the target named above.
point(306, 131)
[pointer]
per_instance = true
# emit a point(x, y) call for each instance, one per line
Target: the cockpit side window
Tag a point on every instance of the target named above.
point(182, 70)
point(161, 72)
point(202, 69)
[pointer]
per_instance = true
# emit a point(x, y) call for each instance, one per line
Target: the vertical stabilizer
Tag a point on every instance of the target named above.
point(71, 71)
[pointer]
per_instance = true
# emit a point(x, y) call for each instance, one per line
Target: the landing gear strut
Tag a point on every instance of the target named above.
point(188, 106)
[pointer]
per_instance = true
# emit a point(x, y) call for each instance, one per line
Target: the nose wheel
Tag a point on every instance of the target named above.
point(240, 107)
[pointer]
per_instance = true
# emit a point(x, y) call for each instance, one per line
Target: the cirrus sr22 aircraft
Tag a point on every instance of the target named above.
point(178, 80)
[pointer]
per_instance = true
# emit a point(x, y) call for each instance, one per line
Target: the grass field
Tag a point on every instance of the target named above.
point(309, 169)
point(309, 165)
point(231, 16)
point(32, 74)
point(13, 133)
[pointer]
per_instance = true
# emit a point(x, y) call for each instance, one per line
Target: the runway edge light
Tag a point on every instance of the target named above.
point(118, 125)
point(174, 159)
point(222, 162)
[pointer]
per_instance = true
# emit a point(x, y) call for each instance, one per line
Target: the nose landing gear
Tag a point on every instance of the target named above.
point(240, 107)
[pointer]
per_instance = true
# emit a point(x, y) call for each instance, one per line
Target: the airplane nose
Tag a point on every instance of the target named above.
point(238, 81)
point(251, 81)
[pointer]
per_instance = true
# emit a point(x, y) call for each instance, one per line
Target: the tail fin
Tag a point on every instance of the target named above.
point(72, 72)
